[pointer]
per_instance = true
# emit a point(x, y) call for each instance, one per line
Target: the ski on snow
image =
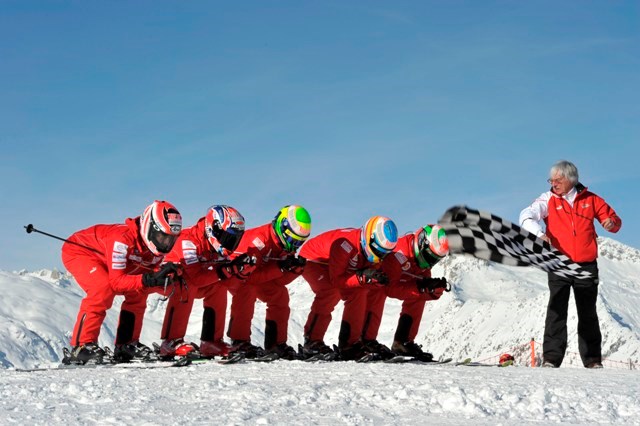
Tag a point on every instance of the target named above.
point(404, 359)
point(469, 363)
point(183, 362)
point(144, 364)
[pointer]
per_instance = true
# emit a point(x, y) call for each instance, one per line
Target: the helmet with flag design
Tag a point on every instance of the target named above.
point(378, 238)
point(224, 228)
point(160, 226)
point(430, 245)
point(292, 225)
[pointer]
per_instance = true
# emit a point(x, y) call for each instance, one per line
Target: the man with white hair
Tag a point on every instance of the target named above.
point(568, 210)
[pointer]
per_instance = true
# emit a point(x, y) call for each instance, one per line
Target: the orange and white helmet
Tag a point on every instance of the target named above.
point(430, 245)
point(160, 226)
point(378, 238)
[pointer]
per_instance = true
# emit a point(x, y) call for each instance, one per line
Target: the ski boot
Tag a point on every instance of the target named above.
point(131, 351)
point(213, 349)
point(375, 347)
point(411, 349)
point(89, 353)
point(283, 351)
point(250, 351)
point(317, 350)
point(354, 352)
point(175, 347)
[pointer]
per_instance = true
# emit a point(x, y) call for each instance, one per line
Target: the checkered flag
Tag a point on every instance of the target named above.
point(489, 237)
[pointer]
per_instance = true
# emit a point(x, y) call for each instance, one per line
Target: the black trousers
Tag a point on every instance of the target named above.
point(585, 293)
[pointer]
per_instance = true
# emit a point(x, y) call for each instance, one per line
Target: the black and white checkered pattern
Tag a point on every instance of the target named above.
point(489, 237)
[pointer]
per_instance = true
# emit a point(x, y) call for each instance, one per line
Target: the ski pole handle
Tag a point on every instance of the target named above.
point(30, 228)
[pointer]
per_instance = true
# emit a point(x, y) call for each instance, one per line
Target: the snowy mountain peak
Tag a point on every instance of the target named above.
point(615, 250)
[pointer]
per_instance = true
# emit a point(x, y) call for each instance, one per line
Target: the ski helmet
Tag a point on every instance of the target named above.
point(378, 238)
point(430, 245)
point(160, 226)
point(506, 358)
point(224, 228)
point(292, 225)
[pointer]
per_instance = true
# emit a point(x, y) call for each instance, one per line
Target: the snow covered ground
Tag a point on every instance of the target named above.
point(298, 393)
point(493, 309)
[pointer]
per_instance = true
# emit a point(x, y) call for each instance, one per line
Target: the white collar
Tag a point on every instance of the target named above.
point(571, 195)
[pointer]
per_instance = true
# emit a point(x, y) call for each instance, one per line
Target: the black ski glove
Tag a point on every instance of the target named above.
point(292, 264)
point(158, 278)
point(240, 267)
point(372, 277)
point(431, 284)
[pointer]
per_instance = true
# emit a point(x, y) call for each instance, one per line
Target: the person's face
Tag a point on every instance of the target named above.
point(560, 184)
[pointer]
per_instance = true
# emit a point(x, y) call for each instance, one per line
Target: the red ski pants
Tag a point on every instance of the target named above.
point(93, 277)
point(327, 296)
point(244, 295)
point(413, 304)
point(176, 317)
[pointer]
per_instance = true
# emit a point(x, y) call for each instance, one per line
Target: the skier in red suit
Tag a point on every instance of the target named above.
point(409, 271)
point(121, 259)
point(274, 247)
point(344, 264)
point(203, 250)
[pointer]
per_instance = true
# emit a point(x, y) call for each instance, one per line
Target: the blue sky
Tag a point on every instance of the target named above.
point(348, 108)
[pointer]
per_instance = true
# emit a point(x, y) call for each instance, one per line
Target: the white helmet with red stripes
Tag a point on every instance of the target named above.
point(160, 226)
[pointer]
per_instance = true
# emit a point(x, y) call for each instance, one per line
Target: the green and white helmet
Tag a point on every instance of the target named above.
point(430, 245)
point(292, 225)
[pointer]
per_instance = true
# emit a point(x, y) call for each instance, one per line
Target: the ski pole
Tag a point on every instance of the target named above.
point(409, 274)
point(265, 258)
point(30, 228)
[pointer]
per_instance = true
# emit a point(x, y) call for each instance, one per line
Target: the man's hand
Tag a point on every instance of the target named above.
point(372, 277)
point(292, 264)
point(608, 224)
point(166, 274)
point(431, 285)
point(240, 267)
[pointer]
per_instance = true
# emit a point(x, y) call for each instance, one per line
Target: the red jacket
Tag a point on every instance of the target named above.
point(340, 251)
point(401, 265)
point(263, 243)
point(121, 249)
point(403, 271)
point(194, 252)
point(570, 228)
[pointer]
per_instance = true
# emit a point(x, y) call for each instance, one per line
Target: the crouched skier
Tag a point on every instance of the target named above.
point(344, 264)
point(120, 259)
point(203, 250)
point(408, 269)
point(274, 246)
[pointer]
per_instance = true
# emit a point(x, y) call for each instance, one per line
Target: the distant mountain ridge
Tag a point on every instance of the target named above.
point(492, 309)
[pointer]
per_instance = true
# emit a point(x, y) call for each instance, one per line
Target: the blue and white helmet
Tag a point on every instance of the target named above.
point(224, 228)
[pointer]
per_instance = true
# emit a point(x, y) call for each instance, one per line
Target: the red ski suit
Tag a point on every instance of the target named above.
point(267, 283)
point(116, 270)
point(403, 272)
point(333, 258)
point(200, 274)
